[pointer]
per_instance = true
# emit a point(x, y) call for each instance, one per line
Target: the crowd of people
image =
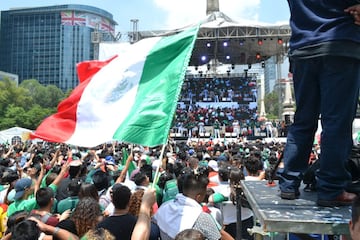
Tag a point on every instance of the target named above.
point(232, 89)
point(65, 191)
point(121, 191)
point(197, 121)
point(58, 191)
point(201, 111)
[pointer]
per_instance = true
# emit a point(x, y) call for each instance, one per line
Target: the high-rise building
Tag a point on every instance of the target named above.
point(270, 74)
point(46, 43)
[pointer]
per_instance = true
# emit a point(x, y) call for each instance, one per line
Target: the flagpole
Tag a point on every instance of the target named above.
point(158, 167)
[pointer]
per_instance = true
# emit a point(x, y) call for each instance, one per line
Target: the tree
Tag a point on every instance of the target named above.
point(272, 105)
point(14, 117)
point(45, 96)
point(53, 96)
point(10, 94)
point(28, 104)
point(36, 115)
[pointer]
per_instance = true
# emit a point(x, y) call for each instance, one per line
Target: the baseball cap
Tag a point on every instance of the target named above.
point(20, 187)
point(155, 164)
point(110, 160)
point(213, 164)
point(191, 151)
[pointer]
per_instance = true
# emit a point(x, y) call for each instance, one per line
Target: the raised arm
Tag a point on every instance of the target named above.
point(40, 177)
point(52, 231)
point(55, 158)
point(60, 176)
point(122, 176)
point(11, 149)
point(143, 224)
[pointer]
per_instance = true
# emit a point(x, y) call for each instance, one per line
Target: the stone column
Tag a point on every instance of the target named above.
point(212, 6)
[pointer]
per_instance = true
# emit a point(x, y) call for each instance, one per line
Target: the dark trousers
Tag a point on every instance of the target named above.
point(327, 86)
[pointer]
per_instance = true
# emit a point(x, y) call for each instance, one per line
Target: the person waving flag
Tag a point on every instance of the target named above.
point(130, 97)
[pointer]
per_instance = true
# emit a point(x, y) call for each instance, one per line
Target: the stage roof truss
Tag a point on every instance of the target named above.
point(244, 32)
point(245, 44)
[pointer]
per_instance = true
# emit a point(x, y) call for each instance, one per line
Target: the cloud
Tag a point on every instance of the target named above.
point(185, 12)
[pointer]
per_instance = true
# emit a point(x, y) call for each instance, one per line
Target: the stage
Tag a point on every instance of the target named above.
point(294, 216)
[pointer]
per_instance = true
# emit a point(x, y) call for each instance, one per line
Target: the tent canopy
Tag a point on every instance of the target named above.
point(7, 135)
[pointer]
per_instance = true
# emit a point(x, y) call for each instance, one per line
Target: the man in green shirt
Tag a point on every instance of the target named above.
point(24, 188)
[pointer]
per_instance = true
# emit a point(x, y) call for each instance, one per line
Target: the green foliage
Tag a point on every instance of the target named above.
point(272, 105)
point(10, 94)
point(271, 116)
point(28, 104)
point(45, 96)
point(36, 115)
point(14, 116)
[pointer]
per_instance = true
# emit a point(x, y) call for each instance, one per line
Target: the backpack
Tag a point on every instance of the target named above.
point(309, 178)
point(354, 163)
point(353, 167)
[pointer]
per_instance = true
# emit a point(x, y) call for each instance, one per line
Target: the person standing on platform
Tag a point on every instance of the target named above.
point(217, 128)
point(236, 127)
point(325, 62)
point(201, 127)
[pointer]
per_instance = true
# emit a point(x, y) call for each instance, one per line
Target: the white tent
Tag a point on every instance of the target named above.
point(8, 134)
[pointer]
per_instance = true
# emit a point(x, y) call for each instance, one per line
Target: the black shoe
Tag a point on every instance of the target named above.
point(290, 195)
point(344, 199)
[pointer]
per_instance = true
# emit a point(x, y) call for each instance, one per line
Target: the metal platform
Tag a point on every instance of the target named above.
point(294, 216)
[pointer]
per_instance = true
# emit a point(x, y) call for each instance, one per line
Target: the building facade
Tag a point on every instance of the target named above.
point(270, 74)
point(46, 43)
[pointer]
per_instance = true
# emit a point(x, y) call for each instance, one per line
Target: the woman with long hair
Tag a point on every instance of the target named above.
point(134, 209)
point(86, 216)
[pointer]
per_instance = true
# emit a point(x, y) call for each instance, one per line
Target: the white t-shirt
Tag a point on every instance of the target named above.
point(228, 209)
point(3, 194)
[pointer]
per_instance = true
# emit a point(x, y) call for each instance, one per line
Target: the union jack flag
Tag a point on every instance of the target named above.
point(106, 25)
point(73, 18)
point(93, 21)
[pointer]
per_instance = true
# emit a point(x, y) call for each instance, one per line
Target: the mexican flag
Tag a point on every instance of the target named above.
point(131, 97)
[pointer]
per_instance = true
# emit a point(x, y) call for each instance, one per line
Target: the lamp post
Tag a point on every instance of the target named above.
point(96, 39)
point(135, 32)
point(262, 96)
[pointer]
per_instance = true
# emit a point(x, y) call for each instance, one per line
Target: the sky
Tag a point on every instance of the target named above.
point(171, 14)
